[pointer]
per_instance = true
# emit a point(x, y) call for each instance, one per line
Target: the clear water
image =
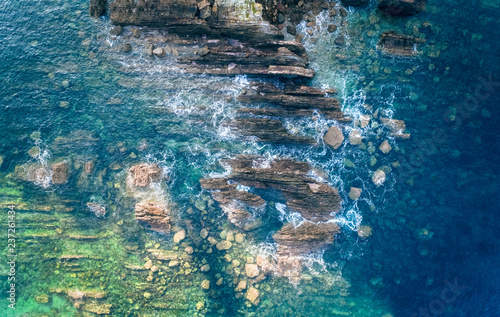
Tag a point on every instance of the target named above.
point(67, 92)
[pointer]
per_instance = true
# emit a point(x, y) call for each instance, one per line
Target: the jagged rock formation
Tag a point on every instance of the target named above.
point(294, 100)
point(399, 44)
point(237, 45)
point(308, 237)
point(402, 7)
point(268, 130)
point(314, 200)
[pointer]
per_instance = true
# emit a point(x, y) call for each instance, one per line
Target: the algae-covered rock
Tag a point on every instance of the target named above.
point(364, 231)
point(42, 299)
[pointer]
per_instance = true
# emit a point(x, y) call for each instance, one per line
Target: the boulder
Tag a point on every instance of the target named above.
point(402, 7)
point(355, 193)
point(385, 147)
point(117, 30)
point(223, 245)
point(334, 137)
point(378, 177)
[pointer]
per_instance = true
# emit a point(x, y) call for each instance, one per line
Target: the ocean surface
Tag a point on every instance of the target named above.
point(67, 93)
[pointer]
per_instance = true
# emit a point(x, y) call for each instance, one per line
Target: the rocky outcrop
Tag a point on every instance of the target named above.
point(153, 214)
point(236, 44)
point(143, 175)
point(402, 7)
point(235, 203)
point(399, 44)
point(293, 100)
point(314, 200)
point(308, 237)
point(268, 130)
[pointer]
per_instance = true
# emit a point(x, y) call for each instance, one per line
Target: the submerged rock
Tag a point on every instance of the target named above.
point(179, 236)
point(97, 209)
point(252, 295)
point(402, 7)
point(355, 137)
point(60, 172)
point(252, 270)
point(399, 44)
point(385, 147)
point(355, 193)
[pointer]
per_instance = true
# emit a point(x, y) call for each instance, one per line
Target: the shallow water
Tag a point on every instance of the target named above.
point(68, 94)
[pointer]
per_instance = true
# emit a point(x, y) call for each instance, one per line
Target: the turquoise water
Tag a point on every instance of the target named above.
point(69, 94)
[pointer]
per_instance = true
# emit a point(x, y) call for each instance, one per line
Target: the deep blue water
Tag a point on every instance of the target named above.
point(435, 222)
